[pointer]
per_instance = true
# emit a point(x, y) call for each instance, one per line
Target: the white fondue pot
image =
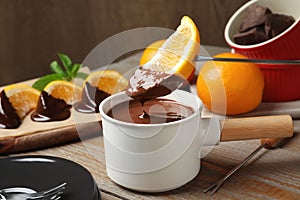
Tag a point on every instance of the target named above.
point(162, 157)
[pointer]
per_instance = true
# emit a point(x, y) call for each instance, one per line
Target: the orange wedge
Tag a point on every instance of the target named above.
point(67, 91)
point(178, 52)
point(109, 81)
point(150, 51)
point(22, 97)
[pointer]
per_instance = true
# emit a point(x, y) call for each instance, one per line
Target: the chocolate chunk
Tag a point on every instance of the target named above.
point(260, 24)
point(252, 36)
point(255, 16)
point(277, 23)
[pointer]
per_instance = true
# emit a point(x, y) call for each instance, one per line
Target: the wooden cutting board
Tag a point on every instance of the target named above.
point(34, 135)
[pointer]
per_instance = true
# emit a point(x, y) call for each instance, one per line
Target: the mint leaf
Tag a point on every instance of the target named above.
point(75, 69)
point(70, 72)
point(55, 67)
point(66, 61)
point(41, 83)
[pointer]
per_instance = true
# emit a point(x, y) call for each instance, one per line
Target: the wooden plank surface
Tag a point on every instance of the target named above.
point(106, 196)
point(271, 174)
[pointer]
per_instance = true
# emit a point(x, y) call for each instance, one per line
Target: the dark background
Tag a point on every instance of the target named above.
point(33, 31)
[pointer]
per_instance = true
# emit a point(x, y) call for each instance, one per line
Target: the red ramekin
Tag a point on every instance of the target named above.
point(282, 82)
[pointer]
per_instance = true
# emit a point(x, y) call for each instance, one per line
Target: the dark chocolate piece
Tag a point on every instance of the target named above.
point(50, 109)
point(255, 16)
point(9, 118)
point(277, 23)
point(252, 36)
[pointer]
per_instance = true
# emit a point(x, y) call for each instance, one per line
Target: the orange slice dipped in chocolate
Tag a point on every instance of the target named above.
point(67, 91)
point(99, 85)
point(56, 100)
point(171, 66)
point(16, 101)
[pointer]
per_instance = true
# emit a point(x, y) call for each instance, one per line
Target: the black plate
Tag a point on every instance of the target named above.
point(42, 172)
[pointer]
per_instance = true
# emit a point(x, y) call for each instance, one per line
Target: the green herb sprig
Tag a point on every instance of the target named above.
point(68, 72)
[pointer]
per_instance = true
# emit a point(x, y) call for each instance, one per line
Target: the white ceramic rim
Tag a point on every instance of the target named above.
point(236, 14)
point(112, 120)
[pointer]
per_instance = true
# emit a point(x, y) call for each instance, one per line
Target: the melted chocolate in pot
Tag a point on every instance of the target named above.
point(153, 111)
point(91, 99)
point(8, 116)
point(50, 109)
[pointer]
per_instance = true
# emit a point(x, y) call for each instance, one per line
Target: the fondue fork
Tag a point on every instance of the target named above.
point(259, 61)
point(265, 143)
point(25, 193)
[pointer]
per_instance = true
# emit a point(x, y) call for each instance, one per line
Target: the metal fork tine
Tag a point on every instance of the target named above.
point(210, 187)
point(220, 182)
point(55, 188)
point(55, 193)
point(217, 187)
point(55, 197)
point(58, 195)
point(2, 197)
point(48, 193)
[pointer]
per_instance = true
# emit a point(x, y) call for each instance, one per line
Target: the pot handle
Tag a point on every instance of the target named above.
point(278, 126)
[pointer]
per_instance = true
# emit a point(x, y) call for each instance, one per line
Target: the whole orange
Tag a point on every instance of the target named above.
point(230, 88)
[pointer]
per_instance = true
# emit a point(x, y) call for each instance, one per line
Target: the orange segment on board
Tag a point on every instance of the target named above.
point(67, 91)
point(109, 81)
point(22, 97)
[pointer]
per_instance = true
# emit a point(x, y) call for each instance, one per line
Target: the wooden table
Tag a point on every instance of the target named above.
point(271, 174)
